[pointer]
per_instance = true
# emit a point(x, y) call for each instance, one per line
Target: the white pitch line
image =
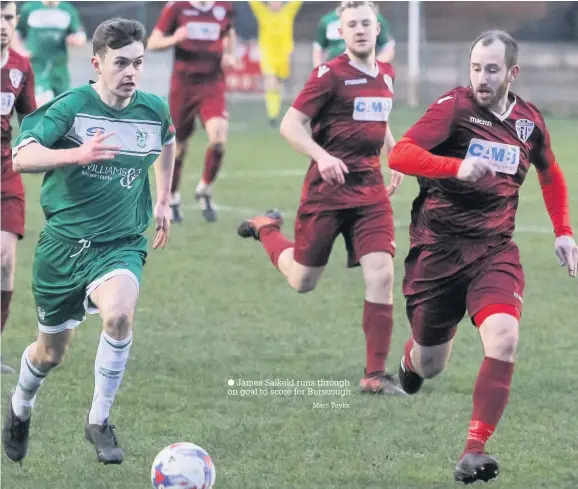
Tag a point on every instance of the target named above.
point(248, 212)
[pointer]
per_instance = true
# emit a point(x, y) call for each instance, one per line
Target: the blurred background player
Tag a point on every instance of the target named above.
point(92, 250)
point(471, 152)
point(46, 30)
point(204, 40)
point(347, 102)
point(17, 96)
point(275, 21)
point(329, 43)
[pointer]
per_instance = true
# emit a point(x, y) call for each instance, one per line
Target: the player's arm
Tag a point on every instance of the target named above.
point(166, 33)
point(292, 9)
point(320, 44)
point(396, 177)
point(32, 152)
point(412, 156)
point(385, 42)
point(556, 198)
point(293, 128)
point(26, 101)
point(230, 43)
point(76, 36)
point(260, 10)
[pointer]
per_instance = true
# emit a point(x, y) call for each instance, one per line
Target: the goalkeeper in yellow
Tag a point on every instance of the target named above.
point(275, 21)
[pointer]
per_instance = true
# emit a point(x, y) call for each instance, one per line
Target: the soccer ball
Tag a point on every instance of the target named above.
point(183, 466)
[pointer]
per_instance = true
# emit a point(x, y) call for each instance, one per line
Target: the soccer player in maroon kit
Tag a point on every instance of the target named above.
point(204, 39)
point(347, 101)
point(17, 95)
point(471, 152)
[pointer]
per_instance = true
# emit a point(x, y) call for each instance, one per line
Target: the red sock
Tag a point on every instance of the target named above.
point(213, 158)
point(5, 299)
point(407, 354)
point(490, 398)
point(377, 326)
point(274, 243)
point(177, 172)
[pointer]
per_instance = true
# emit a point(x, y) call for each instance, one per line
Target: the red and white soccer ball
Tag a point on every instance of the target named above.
point(183, 466)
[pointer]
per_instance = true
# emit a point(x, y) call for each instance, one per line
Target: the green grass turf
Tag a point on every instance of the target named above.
point(213, 308)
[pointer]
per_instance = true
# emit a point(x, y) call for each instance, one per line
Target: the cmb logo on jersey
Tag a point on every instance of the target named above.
point(504, 158)
point(372, 109)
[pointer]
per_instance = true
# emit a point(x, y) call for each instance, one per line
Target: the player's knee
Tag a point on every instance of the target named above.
point(500, 337)
point(49, 357)
point(118, 325)
point(302, 285)
point(218, 147)
point(7, 265)
point(378, 278)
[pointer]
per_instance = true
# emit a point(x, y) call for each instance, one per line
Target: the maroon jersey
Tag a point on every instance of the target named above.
point(349, 110)
point(17, 95)
point(456, 126)
point(199, 57)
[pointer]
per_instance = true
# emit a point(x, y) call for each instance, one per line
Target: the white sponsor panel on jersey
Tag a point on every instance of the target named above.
point(203, 31)
point(374, 109)
point(504, 158)
point(49, 18)
point(136, 138)
point(8, 99)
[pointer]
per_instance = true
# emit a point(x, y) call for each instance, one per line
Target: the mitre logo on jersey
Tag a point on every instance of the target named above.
point(374, 109)
point(504, 158)
point(322, 70)
point(524, 129)
point(15, 77)
point(219, 12)
point(141, 138)
point(389, 82)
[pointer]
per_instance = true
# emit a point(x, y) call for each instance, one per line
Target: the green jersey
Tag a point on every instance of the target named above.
point(44, 30)
point(330, 41)
point(108, 200)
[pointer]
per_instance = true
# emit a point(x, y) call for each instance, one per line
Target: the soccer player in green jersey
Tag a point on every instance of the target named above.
point(329, 44)
point(47, 29)
point(95, 145)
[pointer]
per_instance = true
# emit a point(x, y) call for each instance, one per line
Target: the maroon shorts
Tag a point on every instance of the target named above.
point(187, 101)
point(13, 212)
point(441, 284)
point(365, 230)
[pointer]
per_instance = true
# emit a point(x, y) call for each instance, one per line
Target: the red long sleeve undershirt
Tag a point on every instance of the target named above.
point(410, 159)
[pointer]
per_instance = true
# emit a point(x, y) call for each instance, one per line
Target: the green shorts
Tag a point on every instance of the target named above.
point(65, 273)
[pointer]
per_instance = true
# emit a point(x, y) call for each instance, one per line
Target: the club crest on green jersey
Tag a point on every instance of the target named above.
point(141, 138)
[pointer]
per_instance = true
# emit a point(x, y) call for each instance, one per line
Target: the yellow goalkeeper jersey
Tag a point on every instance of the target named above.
point(276, 27)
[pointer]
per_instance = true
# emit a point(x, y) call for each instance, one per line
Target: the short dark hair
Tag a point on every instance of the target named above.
point(117, 33)
point(488, 37)
point(5, 4)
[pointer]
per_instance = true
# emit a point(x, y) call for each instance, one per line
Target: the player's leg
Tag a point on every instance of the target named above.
point(113, 293)
point(435, 292)
point(183, 109)
point(271, 86)
point(369, 239)
point(8, 246)
point(215, 118)
point(302, 261)
point(58, 299)
point(495, 304)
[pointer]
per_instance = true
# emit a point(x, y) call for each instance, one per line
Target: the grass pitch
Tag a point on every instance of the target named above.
point(213, 308)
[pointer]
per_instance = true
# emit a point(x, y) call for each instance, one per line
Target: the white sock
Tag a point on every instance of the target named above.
point(29, 382)
point(204, 188)
point(109, 367)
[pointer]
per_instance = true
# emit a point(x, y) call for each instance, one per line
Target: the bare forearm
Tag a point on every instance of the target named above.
point(164, 173)
point(300, 139)
point(230, 42)
point(35, 158)
point(160, 42)
point(389, 141)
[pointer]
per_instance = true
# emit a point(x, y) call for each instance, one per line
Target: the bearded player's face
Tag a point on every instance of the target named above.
point(122, 68)
point(489, 76)
point(9, 19)
point(359, 29)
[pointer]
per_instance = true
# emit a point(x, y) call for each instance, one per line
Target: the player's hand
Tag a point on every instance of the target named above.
point(96, 150)
point(396, 179)
point(332, 169)
point(163, 218)
point(181, 34)
point(474, 168)
point(567, 253)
